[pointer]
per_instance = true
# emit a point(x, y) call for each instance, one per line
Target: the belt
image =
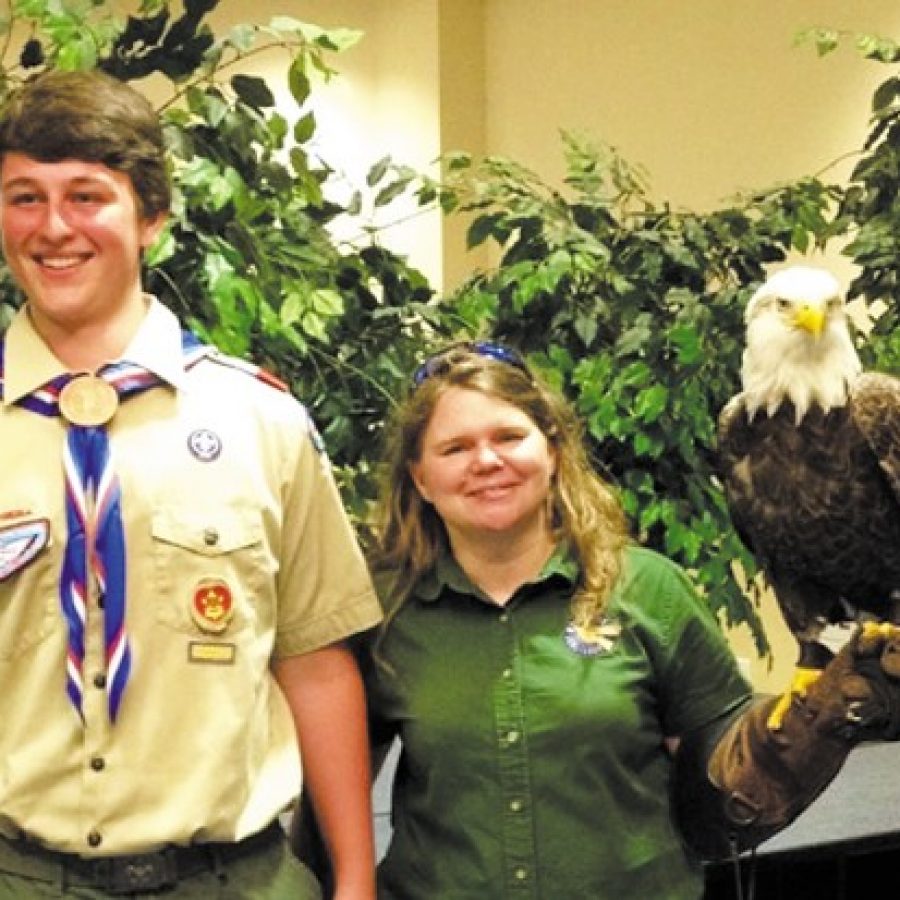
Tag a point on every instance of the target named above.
point(132, 873)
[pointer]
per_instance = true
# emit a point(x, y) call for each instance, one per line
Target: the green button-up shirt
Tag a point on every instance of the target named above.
point(532, 762)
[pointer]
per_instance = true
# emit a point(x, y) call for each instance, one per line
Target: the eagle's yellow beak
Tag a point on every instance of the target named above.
point(810, 318)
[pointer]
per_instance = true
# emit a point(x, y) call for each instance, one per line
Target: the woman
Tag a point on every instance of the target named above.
point(537, 666)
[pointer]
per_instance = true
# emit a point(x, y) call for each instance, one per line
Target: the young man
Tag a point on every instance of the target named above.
point(177, 574)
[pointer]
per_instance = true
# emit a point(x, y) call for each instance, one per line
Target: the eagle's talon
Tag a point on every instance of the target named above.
point(803, 678)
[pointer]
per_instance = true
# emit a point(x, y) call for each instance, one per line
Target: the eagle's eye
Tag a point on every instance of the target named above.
point(782, 304)
point(833, 304)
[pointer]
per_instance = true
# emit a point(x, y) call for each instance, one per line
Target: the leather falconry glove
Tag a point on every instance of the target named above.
point(767, 771)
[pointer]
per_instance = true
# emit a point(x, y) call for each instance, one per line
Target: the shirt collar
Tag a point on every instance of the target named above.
point(447, 575)
point(157, 345)
point(29, 363)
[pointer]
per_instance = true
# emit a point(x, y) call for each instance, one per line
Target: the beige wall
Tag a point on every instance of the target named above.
point(710, 97)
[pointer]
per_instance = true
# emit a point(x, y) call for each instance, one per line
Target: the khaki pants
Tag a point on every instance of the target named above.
point(273, 873)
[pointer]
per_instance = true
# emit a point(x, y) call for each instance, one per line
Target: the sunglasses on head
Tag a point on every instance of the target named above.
point(441, 362)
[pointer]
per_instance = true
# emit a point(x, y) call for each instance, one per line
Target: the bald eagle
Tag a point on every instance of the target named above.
point(809, 456)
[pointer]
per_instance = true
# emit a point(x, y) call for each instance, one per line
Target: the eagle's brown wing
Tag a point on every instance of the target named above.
point(752, 465)
point(812, 503)
point(875, 402)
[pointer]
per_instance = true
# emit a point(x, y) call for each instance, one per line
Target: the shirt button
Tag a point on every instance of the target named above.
point(521, 873)
point(100, 681)
point(515, 805)
point(504, 618)
point(98, 764)
point(210, 537)
point(512, 736)
point(95, 839)
point(507, 674)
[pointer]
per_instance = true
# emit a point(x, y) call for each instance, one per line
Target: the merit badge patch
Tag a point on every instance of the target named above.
point(212, 605)
point(21, 543)
point(591, 640)
point(204, 444)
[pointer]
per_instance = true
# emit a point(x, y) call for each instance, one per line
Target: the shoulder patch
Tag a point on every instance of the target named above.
point(249, 368)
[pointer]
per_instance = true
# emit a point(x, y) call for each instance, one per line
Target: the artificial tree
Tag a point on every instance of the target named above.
point(630, 307)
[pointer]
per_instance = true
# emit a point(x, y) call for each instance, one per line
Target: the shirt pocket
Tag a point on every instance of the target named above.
point(29, 590)
point(220, 548)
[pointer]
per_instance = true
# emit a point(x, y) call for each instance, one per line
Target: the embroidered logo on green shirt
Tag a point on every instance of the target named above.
point(592, 639)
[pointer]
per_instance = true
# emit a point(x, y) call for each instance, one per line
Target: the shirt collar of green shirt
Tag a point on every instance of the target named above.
point(448, 575)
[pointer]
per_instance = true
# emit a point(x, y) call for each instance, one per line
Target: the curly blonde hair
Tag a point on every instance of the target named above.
point(409, 534)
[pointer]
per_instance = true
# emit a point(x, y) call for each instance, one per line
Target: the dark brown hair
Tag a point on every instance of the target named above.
point(92, 117)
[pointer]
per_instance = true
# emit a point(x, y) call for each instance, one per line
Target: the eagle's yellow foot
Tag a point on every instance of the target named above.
point(803, 678)
point(883, 639)
point(873, 636)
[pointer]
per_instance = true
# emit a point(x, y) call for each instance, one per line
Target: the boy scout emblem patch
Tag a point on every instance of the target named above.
point(592, 639)
point(21, 543)
point(212, 605)
point(204, 444)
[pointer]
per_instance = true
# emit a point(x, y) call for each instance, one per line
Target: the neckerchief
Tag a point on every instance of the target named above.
point(95, 543)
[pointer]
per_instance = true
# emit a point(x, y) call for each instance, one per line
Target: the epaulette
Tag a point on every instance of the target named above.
point(266, 377)
point(233, 362)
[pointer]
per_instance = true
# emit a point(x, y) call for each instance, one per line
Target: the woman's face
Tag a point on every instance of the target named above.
point(485, 466)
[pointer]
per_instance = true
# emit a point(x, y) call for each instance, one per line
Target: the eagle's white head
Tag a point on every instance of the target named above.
point(798, 344)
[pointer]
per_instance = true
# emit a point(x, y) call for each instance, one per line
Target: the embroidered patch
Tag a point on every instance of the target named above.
point(204, 444)
point(592, 640)
point(212, 606)
point(21, 543)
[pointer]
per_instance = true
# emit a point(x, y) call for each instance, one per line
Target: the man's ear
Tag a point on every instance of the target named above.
point(152, 227)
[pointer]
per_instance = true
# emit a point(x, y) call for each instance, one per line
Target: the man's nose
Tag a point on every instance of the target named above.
point(55, 223)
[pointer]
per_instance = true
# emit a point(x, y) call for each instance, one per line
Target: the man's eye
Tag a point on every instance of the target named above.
point(21, 199)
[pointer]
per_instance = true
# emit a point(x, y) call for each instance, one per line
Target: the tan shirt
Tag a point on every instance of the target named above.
point(204, 746)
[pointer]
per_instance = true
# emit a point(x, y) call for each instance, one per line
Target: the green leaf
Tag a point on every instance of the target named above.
point(77, 54)
point(298, 81)
point(687, 344)
point(253, 91)
point(586, 328)
point(304, 128)
point(378, 171)
point(327, 302)
point(390, 192)
point(651, 402)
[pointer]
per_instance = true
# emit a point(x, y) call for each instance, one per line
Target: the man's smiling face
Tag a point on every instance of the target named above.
point(73, 234)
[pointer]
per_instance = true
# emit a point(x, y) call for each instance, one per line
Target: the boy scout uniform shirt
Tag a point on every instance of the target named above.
point(532, 763)
point(223, 488)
